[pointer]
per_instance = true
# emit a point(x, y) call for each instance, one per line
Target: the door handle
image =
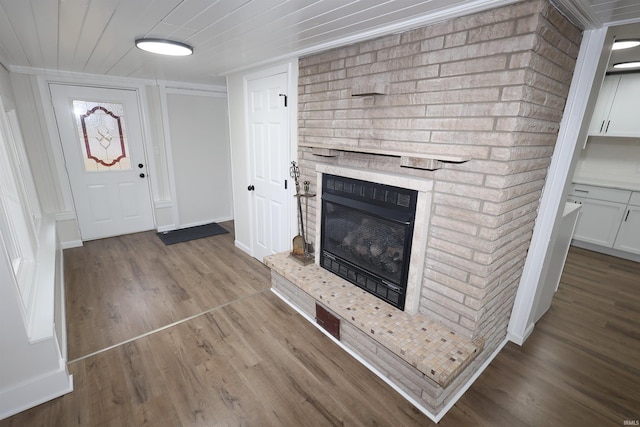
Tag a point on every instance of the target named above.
point(251, 188)
point(140, 165)
point(141, 175)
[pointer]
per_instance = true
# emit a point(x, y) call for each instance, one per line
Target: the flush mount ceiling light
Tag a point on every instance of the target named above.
point(625, 44)
point(623, 65)
point(164, 47)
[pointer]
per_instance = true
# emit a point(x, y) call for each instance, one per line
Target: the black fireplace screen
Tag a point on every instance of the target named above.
point(366, 235)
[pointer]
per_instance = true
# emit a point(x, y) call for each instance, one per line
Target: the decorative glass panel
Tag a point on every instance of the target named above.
point(103, 137)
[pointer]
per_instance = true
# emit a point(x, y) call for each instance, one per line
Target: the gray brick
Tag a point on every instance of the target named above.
point(491, 86)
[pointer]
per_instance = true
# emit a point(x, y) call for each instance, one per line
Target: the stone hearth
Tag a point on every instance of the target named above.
point(418, 355)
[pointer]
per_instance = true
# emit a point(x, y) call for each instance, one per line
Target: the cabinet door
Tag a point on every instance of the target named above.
point(599, 221)
point(624, 118)
point(629, 235)
point(603, 105)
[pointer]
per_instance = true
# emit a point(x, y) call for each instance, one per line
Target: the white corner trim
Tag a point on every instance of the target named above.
point(554, 191)
point(110, 80)
point(579, 12)
point(519, 339)
point(194, 89)
point(173, 192)
point(40, 309)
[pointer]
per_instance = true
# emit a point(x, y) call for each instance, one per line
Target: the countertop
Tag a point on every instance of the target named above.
point(609, 183)
point(569, 208)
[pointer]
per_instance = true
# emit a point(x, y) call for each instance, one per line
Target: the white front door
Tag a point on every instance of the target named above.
point(268, 134)
point(102, 141)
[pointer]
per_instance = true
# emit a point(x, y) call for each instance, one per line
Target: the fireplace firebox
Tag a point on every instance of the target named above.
point(366, 234)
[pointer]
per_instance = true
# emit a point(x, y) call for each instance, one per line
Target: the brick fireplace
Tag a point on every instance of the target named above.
point(472, 106)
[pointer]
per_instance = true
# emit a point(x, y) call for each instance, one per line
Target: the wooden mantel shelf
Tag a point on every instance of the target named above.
point(408, 160)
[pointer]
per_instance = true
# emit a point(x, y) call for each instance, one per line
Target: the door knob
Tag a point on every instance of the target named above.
point(141, 175)
point(140, 165)
point(251, 188)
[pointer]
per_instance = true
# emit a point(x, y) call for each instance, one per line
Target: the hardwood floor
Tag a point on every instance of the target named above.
point(130, 285)
point(190, 334)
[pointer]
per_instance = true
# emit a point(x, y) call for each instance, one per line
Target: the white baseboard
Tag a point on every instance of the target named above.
point(243, 247)
point(71, 244)
point(166, 228)
point(171, 227)
point(204, 222)
point(520, 339)
point(36, 391)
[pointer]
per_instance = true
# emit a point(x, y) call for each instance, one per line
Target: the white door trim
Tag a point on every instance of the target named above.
point(67, 211)
point(115, 184)
point(291, 72)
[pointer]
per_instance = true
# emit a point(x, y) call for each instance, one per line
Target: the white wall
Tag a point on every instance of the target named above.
point(610, 162)
point(197, 125)
point(39, 145)
point(32, 365)
point(45, 151)
point(236, 85)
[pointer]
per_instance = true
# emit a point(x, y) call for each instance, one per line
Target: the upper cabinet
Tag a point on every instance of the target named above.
point(616, 112)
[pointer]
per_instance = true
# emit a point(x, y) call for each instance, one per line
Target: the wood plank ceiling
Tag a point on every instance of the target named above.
point(96, 36)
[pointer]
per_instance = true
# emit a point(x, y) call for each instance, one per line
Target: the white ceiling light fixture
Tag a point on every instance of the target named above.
point(625, 44)
point(624, 65)
point(164, 47)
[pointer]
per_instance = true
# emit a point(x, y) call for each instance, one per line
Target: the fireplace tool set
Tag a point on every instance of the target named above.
point(302, 250)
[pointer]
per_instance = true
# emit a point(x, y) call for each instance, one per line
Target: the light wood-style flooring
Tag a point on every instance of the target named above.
point(190, 335)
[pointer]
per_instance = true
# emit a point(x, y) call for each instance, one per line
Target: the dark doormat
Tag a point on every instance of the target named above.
point(191, 233)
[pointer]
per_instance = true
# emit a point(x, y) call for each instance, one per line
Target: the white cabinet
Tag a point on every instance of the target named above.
point(628, 239)
point(603, 105)
point(602, 212)
point(599, 221)
point(609, 217)
point(616, 112)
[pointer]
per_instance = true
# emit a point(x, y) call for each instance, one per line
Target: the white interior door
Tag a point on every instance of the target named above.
point(101, 136)
point(268, 134)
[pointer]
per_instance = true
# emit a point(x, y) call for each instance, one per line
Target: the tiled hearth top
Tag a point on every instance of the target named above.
point(434, 350)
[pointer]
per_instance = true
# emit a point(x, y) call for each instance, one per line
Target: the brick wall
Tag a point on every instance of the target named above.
point(491, 86)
